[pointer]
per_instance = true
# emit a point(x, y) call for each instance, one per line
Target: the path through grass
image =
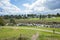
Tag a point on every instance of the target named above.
point(14, 32)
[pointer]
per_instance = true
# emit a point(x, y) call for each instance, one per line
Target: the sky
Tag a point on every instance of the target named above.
point(16, 7)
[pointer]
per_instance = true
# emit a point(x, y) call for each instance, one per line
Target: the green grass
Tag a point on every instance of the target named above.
point(51, 29)
point(45, 28)
point(56, 19)
point(34, 20)
point(11, 33)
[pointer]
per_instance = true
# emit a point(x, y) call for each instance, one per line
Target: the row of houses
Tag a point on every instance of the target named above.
point(40, 25)
point(37, 25)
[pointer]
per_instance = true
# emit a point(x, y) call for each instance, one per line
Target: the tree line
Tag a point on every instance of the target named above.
point(30, 16)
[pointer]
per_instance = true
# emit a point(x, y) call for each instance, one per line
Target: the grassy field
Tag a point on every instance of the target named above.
point(13, 33)
point(36, 20)
point(57, 19)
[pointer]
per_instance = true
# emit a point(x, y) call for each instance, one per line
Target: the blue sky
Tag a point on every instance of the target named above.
point(19, 3)
point(16, 7)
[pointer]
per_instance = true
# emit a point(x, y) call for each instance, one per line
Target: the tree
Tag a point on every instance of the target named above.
point(2, 22)
point(58, 15)
point(25, 17)
point(31, 15)
point(40, 16)
point(6, 17)
point(49, 15)
point(18, 16)
point(12, 21)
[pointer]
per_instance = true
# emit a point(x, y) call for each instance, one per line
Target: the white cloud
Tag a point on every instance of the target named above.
point(37, 6)
point(40, 6)
point(38, 3)
point(26, 5)
point(9, 8)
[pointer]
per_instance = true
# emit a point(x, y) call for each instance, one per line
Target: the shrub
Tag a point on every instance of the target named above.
point(2, 22)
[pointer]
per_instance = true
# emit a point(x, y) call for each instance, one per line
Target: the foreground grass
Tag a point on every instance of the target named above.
point(15, 33)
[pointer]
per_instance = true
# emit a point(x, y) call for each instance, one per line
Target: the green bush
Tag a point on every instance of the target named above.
point(2, 22)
